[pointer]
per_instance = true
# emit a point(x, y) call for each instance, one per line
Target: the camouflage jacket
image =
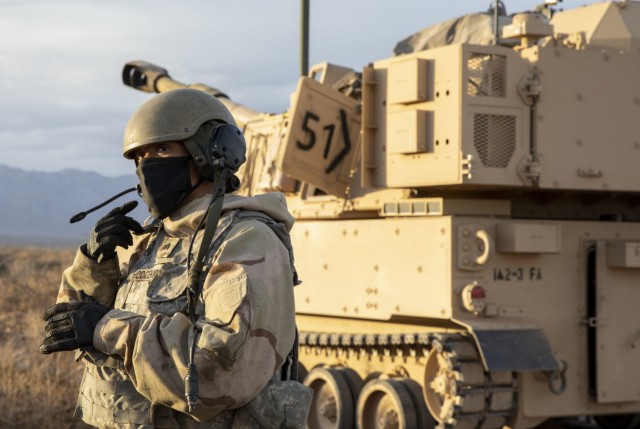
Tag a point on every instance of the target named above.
point(135, 378)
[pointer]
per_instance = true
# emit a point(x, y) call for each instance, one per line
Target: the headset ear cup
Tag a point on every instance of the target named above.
point(227, 142)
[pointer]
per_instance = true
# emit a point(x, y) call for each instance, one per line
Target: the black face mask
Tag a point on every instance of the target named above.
point(164, 183)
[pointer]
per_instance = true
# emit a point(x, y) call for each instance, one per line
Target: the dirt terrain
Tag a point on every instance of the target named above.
point(36, 391)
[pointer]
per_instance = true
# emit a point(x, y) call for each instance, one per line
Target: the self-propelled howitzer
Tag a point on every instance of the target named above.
point(467, 223)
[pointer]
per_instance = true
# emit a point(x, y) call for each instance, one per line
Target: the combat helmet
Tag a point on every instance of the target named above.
point(199, 120)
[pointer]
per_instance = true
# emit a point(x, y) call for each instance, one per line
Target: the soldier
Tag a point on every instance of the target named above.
point(182, 324)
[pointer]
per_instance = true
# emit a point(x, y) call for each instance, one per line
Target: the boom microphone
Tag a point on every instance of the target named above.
point(78, 217)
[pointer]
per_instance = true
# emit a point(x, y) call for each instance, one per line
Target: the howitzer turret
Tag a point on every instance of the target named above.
point(467, 222)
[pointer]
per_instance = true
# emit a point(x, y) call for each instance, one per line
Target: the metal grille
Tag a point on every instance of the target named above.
point(494, 137)
point(486, 75)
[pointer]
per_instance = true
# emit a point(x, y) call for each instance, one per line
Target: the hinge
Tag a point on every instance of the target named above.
point(530, 87)
point(529, 170)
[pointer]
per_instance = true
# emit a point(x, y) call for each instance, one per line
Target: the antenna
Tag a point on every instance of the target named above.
point(496, 27)
point(304, 37)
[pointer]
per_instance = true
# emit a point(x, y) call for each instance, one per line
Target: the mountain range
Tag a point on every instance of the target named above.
point(35, 207)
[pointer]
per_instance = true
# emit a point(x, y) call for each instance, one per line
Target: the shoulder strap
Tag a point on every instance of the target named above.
point(227, 222)
point(289, 369)
point(279, 230)
point(194, 273)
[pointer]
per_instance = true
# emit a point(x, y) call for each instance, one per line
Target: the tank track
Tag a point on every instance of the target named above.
point(468, 396)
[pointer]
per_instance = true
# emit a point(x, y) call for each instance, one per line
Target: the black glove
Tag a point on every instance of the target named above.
point(112, 231)
point(70, 326)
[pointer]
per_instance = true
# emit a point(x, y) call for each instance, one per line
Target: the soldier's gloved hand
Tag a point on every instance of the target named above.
point(111, 231)
point(70, 326)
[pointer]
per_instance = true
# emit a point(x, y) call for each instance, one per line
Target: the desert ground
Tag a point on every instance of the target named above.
point(36, 391)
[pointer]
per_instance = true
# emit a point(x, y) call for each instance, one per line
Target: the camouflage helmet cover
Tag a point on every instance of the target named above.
point(172, 116)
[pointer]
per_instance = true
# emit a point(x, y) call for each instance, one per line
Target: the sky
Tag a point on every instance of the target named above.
point(62, 101)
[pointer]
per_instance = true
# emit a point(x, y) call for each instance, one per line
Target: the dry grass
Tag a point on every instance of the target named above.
point(36, 391)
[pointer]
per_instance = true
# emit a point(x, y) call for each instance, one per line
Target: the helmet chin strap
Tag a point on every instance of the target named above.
point(212, 216)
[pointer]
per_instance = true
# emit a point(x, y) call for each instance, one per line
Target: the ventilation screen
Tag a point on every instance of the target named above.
point(494, 137)
point(486, 75)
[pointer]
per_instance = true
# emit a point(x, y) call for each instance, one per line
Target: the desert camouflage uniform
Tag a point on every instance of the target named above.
point(135, 378)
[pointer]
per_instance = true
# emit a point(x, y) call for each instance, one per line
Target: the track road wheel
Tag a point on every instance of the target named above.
point(353, 380)
point(386, 404)
point(423, 417)
point(332, 405)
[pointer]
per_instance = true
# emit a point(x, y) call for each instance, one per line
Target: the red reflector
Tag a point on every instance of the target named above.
point(478, 292)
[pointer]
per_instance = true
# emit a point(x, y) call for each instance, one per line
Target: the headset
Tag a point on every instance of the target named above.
point(216, 147)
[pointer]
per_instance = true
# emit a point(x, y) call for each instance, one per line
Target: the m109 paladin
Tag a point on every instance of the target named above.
point(468, 227)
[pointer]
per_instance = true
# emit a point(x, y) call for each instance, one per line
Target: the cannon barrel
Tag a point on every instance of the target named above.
point(149, 77)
